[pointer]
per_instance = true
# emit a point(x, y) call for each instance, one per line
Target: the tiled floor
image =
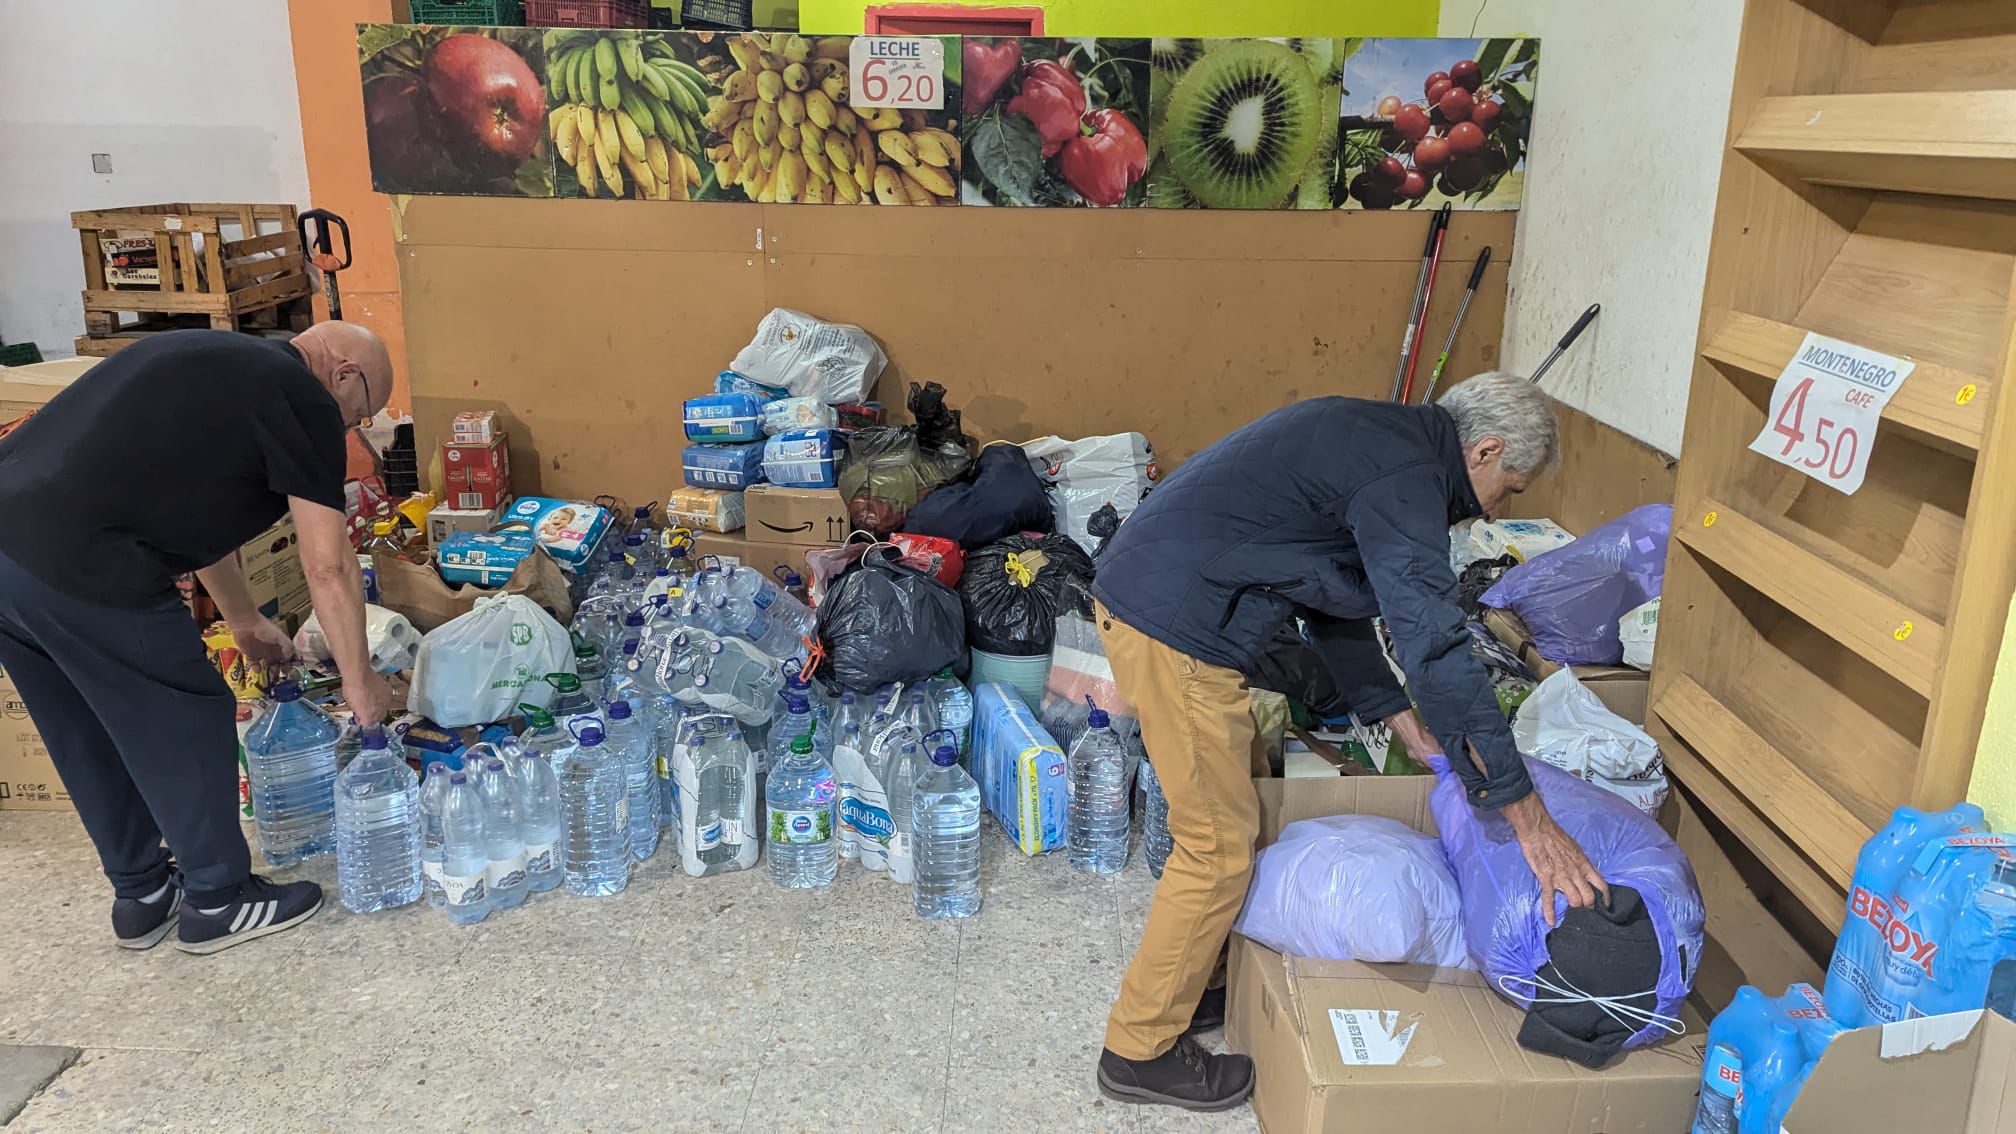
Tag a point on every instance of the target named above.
point(682, 1004)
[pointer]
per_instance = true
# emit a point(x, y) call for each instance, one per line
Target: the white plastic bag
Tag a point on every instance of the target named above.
point(1639, 631)
point(392, 640)
point(1564, 724)
point(782, 415)
point(1116, 469)
point(1356, 888)
point(834, 362)
point(480, 667)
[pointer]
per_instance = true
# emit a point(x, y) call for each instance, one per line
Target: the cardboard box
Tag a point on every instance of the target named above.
point(1936, 1075)
point(1622, 689)
point(444, 521)
point(25, 389)
point(476, 477)
point(27, 779)
point(475, 427)
point(1345, 1046)
point(812, 517)
point(272, 565)
point(760, 554)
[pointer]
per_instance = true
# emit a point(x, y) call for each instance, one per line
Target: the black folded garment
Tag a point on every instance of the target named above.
point(1611, 952)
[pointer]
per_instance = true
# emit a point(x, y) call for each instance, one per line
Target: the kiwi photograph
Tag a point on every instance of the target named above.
point(458, 110)
point(627, 112)
point(1058, 122)
point(1243, 123)
point(1429, 121)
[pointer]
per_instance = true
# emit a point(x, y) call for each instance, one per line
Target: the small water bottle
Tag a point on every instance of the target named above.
point(465, 854)
point(505, 876)
point(539, 822)
point(945, 828)
point(377, 828)
point(802, 796)
point(1097, 820)
point(433, 793)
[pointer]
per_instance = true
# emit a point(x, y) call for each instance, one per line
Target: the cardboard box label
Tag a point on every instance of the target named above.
point(1372, 1037)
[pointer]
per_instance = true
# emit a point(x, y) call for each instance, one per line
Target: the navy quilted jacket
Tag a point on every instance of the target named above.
point(1334, 510)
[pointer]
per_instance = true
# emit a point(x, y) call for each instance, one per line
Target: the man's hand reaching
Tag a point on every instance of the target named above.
point(264, 645)
point(368, 696)
point(1557, 860)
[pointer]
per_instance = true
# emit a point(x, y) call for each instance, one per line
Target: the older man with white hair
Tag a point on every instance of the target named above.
point(1327, 513)
point(162, 460)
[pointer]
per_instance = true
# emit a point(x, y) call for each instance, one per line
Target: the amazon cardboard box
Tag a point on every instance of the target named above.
point(27, 779)
point(1953, 1074)
point(763, 555)
point(812, 517)
point(1622, 689)
point(1342, 1046)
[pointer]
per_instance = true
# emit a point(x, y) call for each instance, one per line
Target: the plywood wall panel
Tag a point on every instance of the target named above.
point(588, 322)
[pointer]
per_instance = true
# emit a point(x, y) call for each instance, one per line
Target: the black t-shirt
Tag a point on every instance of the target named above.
point(165, 458)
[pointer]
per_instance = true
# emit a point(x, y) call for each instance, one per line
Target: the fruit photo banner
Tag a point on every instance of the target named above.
point(1318, 123)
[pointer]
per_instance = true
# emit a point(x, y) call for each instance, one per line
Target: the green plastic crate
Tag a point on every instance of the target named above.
point(20, 354)
point(479, 13)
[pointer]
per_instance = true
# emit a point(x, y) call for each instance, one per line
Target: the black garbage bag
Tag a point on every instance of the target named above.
point(882, 621)
point(1003, 496)
point(1104, 523)
point(1016, 587)
point(946, 451)
point(881, 482)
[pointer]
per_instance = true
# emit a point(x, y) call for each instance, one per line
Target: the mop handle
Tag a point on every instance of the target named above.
point(1567, 340)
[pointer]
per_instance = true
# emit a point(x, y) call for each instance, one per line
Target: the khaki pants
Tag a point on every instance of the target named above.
point(1197, 724)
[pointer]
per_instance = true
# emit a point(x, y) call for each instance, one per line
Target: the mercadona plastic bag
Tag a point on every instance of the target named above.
point(1572, 597)
point(882, 621)
point(834, 362)
point(1502, 923)
point(481, 666)
point(1356, 888)
point(1090, 473)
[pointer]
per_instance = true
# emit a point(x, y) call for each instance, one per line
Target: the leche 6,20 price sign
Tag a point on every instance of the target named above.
point(906, 72)
point(1825, 407)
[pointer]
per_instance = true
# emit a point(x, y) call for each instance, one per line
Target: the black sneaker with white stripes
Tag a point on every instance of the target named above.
point(262, 907)
point(141, 923)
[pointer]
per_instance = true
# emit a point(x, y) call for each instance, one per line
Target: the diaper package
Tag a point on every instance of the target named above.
point(804, 458)
point(729, 382)
point(567, 529)
point(1020, 769)
point(704, 509)
point(723, 418)
point(733, 467)
point(785, 414)
point(483, 558)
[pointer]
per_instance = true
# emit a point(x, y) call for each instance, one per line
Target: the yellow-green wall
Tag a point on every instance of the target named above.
point(1994, 786)
point(1181, 17)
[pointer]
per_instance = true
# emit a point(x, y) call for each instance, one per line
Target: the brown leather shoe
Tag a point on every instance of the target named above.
point(1185, 1076)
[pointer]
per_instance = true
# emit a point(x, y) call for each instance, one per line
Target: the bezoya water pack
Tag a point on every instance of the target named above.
point(1931, 917)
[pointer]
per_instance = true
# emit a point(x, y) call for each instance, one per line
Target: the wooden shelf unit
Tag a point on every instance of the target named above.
point(1826, 658)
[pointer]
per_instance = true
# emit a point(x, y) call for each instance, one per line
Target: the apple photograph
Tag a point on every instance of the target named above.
point(456, 110)
point(627, 110)
point(1243, 123)
point(1429, 121)
point(1056, 122)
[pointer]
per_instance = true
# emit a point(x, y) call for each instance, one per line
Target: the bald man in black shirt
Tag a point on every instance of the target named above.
point(162, 460)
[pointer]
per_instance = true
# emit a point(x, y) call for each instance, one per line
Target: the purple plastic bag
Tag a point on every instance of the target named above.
point(1501, 898)
point(1355, 888)
point(1571, 597)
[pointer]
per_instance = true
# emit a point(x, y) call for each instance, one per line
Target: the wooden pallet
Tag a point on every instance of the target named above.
point(1824, 658)
point(225, 267)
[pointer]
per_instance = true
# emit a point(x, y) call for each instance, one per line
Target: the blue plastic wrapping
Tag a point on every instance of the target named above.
point(734, 467)
point(804, 458)
point(1502, 920)
point(1571, 598)
point(717, 419)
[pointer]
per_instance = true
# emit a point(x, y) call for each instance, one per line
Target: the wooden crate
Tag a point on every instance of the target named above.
point(1824, 658)
point(226, 267)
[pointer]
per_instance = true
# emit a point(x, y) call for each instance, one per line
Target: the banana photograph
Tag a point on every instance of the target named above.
point(623, 113)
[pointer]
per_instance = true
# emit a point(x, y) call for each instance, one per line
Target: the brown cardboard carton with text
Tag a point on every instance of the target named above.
point(1342, 1046)
point(27, 779)
point(814, 517)
point(1951, 1074)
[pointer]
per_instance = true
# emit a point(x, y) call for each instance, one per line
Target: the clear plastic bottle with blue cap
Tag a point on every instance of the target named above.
point(803, 817)
point(290, 766)
point(595, 814)
point(377, 828)
point(465, 854)
point(945, 829)
point(1097, 822)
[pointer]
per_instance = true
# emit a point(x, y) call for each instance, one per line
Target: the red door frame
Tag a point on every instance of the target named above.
point(951, 19)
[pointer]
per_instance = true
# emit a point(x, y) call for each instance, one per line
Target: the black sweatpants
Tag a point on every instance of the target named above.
point(141, 729)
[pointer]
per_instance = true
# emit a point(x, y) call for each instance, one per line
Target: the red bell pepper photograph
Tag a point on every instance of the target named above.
point(1054, 122)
